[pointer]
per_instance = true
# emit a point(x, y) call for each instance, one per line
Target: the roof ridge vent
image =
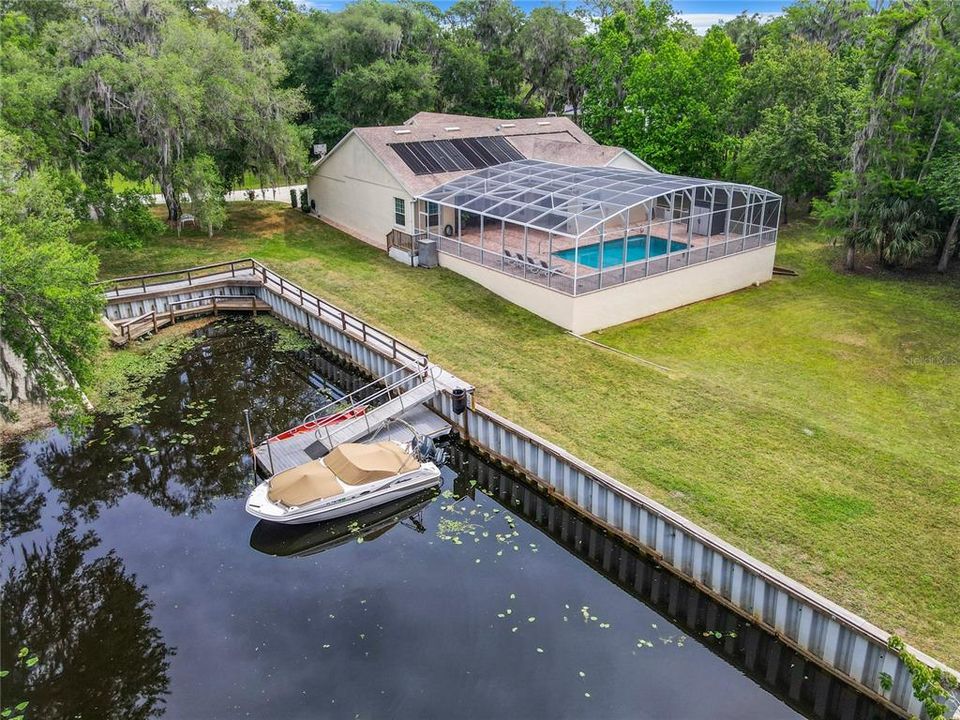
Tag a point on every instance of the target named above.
point(402, 132)
point(506, 125)
point(543, 122)
point(452, 128)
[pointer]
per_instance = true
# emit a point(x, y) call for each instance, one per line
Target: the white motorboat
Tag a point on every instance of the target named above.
point(351, 478)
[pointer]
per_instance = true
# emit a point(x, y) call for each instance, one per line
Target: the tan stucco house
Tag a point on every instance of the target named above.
point(582, 234)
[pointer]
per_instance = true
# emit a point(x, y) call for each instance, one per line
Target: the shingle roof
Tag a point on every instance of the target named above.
point(551, 138)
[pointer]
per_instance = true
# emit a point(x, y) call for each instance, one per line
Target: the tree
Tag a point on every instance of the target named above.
point(793, 109)
point(943, 184)
point(547, 41)
point(462, 77)
point(747, 33)
point(49, 309)
point(898, 222)
point(608, 54)
point(168, 86)
point(676, 103)
point(204, 187)
point(911, 58)
point(383, 93)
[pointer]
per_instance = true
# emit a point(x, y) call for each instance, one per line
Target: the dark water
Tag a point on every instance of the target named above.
point(133, 574)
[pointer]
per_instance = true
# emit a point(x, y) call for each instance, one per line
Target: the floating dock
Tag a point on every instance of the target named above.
point(401, 396)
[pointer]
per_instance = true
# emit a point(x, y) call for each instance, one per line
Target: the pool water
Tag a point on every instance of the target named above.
point(590, 256)
point(483, 599)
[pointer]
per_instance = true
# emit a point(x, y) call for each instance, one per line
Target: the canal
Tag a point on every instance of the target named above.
point(133, 575)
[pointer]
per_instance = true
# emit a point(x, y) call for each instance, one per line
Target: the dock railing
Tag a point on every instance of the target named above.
point(117, 289)
point(388, 383)
point(230, 268)
point(396, 388)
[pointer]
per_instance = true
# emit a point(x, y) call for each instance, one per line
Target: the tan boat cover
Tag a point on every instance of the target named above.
point(357, 463)
point(304, 483)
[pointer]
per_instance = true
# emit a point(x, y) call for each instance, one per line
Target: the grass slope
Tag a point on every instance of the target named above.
point(812, 421)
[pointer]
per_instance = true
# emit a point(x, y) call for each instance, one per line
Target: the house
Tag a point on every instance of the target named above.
point(582, 234)
point(366, 185)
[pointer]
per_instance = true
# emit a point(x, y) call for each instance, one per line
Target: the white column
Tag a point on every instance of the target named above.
point(650, 211)
point(626, 238)
point(576, 262)
point(524, 251)
point(726, 224)
point(549, 258)
point(673, 197)
point(503, 226)
point(600, 256)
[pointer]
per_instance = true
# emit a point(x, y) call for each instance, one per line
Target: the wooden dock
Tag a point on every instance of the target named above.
point(124, 331)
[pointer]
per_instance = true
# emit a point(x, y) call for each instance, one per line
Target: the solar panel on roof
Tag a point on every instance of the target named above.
point(435, 156)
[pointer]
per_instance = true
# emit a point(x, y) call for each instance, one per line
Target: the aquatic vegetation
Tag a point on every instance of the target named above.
point(123, 376)
point(285, 339)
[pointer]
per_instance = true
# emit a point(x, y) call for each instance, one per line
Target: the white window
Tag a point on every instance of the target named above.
point(399, 212)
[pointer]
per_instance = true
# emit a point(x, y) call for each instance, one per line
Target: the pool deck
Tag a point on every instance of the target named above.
point(538, 246)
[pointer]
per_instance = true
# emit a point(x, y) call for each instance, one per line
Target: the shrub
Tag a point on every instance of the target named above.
point(293, 198)
point(130, 221)
point(304, 201)
point(119, 239)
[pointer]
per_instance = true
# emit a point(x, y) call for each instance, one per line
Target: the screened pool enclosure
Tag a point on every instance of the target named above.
point(580, 229)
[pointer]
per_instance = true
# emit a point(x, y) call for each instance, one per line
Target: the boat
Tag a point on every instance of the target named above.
point(303, 540)
point(351, 478)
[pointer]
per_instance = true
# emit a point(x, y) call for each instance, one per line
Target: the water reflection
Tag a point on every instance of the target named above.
point(458, 605)
point(303, 540)
point(21, 504)
point(90, 624)
point(191, 449)
point(770, 663)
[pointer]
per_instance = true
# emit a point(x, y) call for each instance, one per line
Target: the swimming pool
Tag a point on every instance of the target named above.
point(589, 255)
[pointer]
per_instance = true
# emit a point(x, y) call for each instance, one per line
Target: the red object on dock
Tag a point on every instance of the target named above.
point(320, 422)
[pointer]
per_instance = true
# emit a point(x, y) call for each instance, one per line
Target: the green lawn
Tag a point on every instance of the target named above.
point(812, 421)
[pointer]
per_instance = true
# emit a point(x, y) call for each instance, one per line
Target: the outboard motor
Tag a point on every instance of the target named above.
point(428, 450)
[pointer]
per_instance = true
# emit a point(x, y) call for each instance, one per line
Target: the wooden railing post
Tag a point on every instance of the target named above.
point(253, 304)
point(153, 316)
point(189, 278)
point(215, 306)
point(301, 295)
point(343, 320)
